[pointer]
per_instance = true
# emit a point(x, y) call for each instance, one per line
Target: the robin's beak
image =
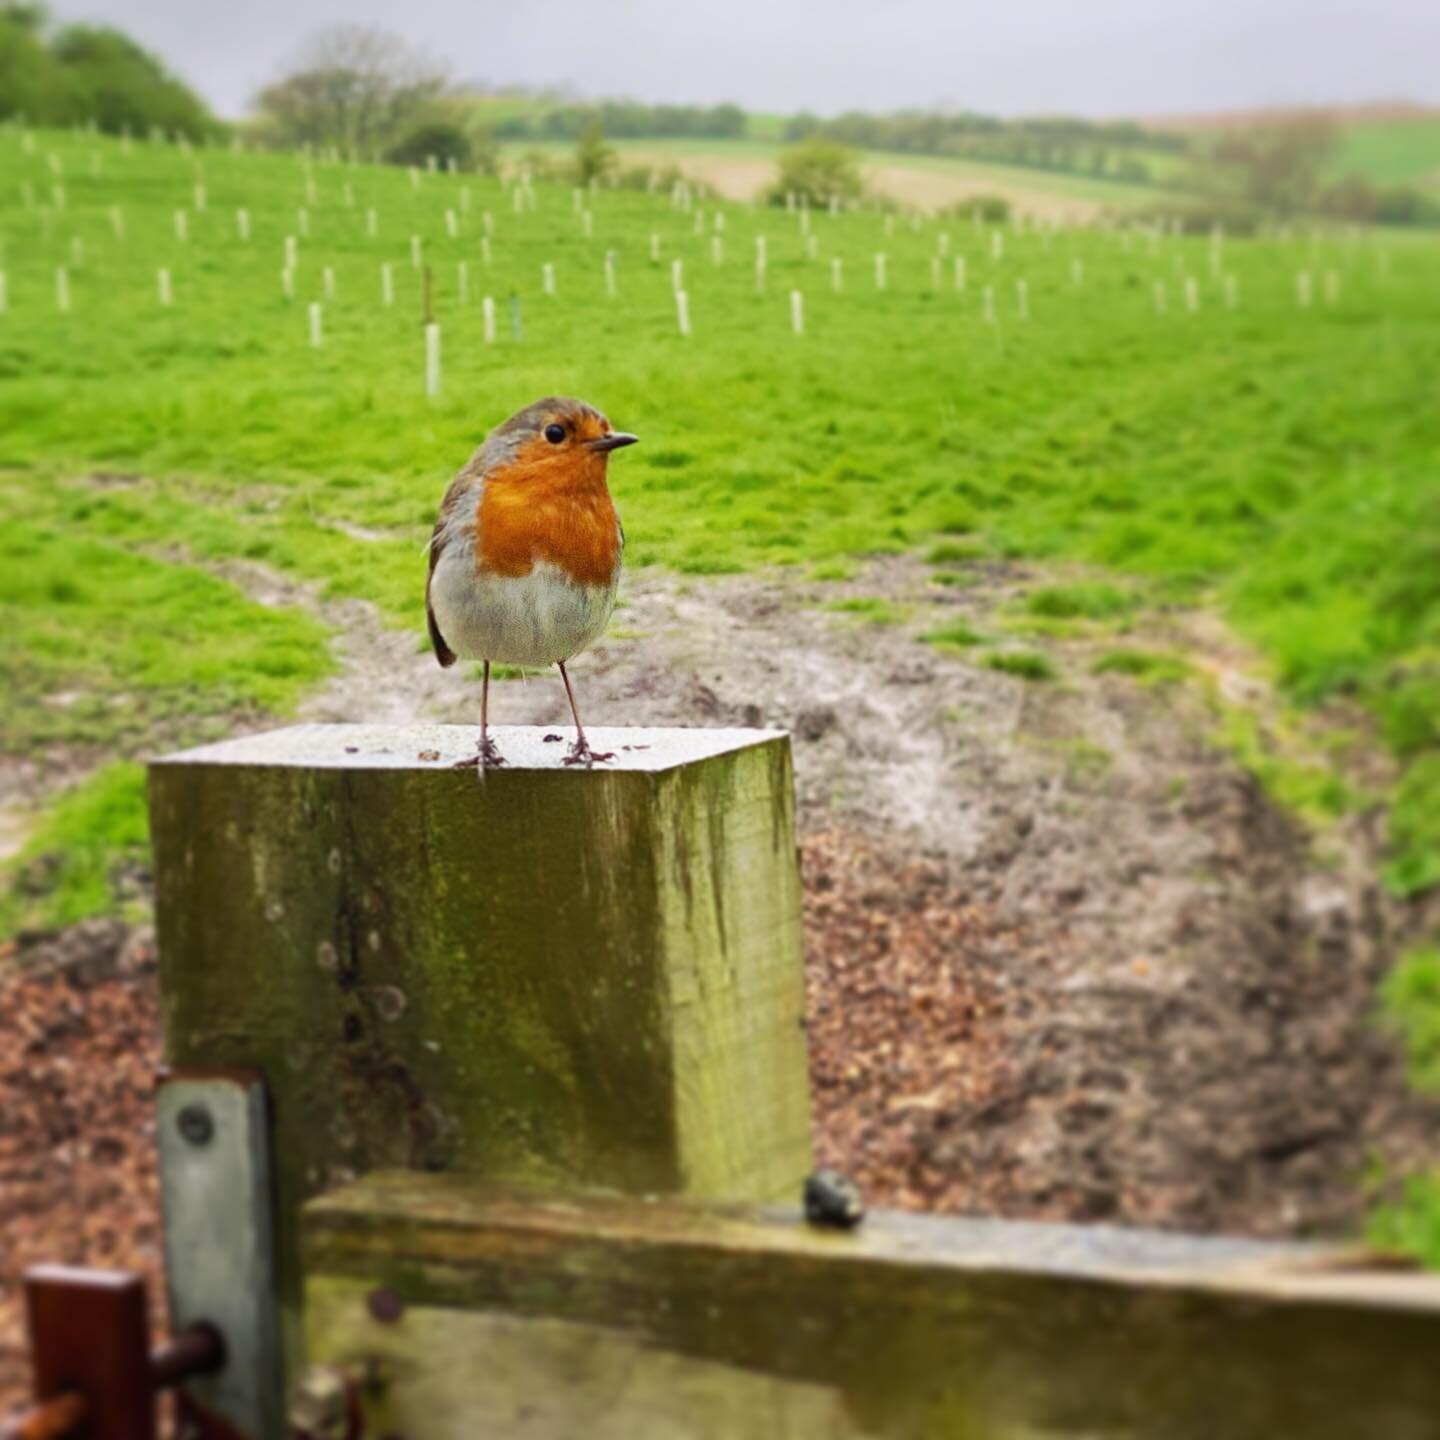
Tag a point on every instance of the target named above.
point(614, 441)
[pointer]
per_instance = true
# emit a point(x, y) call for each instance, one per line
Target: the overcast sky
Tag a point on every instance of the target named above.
point(1089, 57)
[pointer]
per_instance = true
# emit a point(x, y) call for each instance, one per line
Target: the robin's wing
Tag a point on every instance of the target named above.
point(460, 486)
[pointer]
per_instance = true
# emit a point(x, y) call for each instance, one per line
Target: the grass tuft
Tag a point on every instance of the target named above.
point(956, 635)
point(869, 609)
point(1078, 602)
point(1148, 666)
point(1023, 664)
point(74, 864)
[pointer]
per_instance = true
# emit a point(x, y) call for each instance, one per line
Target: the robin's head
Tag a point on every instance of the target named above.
point(557, 433)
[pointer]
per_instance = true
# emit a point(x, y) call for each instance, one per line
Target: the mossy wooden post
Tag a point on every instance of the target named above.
point(576, 977)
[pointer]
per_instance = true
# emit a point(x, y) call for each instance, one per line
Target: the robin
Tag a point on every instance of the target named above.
point(525, 556)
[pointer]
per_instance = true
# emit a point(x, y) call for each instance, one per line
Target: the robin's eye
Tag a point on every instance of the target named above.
point(554, 433)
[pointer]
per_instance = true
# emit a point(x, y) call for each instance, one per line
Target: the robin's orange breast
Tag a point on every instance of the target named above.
point(558, 511)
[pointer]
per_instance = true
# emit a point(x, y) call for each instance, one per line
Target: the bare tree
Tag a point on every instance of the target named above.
point(353, 87)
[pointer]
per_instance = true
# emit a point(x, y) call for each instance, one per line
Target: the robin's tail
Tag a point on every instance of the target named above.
point(443, 653)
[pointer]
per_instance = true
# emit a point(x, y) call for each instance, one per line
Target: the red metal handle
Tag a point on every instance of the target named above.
point(90, 1347)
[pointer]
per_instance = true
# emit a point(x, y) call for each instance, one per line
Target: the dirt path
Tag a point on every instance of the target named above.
point(1064, 959)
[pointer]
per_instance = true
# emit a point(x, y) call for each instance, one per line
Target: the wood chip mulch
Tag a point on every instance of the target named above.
point(81, 1041)
point(905, 974)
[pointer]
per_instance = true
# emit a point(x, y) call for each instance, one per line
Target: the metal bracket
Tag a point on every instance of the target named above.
point(219, 1240)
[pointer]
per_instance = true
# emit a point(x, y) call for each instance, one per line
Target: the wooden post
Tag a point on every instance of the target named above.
point(600, 1316)
point(432, 356)
point(580, 977)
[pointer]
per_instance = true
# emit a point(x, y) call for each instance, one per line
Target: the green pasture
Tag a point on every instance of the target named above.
point(1391, 152)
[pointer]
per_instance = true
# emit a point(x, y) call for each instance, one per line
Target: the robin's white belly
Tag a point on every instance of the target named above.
point(534, 619)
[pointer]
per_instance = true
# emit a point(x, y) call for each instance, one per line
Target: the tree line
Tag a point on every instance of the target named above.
point(625, 120)
point(1116, 149)
point(90, 74)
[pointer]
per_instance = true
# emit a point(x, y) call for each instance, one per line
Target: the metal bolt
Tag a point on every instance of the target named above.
point(385, 1305)
point(195, 1124)
point(832, 1199)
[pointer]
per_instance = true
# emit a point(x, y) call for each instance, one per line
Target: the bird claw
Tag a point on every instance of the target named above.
point(486, 757)
point(580, 753)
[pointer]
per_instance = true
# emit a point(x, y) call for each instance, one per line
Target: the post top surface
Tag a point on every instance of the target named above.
point(440, 747)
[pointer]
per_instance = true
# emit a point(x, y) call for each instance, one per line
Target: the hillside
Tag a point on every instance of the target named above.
point(1396, 144)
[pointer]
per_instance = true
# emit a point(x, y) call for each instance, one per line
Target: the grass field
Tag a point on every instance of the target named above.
point(1392, 152)
point(1278, 462)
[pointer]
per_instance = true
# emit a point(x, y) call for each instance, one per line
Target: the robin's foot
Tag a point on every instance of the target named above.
point(580, 753)
point(487, 757)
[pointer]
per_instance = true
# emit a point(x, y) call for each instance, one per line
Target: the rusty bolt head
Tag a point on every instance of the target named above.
point(384, 1305)
point(195, 1124)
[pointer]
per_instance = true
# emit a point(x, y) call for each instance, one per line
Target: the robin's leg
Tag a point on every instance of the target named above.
point(489, 756)
point(580, 751)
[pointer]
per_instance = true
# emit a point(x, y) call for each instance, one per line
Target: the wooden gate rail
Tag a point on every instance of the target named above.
point(607, 1316)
